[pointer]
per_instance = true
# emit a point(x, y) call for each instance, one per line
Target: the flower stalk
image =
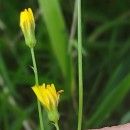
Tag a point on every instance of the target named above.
point(37, 83)
point(34, 67)
point(27, 25)
point(57, 126)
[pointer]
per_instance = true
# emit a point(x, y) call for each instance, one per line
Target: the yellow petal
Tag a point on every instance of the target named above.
point(58, 95)
point(52, 91)
point(53, 101)
point(31, 14)
point(46, 101)
point(37, 92)
point(42, 97)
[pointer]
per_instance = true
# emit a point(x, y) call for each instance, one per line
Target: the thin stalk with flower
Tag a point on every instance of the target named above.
point(27, 25)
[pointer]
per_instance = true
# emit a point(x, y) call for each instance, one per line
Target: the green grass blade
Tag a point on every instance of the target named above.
point(110, 102)
point(57, 32)
point(4, 73)
point(111, 24)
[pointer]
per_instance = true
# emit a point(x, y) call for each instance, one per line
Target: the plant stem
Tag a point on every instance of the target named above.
point(34, 66)
point(57, 126)
point(37, 83)
point(80, 67)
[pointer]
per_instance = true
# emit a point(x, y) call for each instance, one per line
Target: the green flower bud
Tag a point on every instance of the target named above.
point(27, 25)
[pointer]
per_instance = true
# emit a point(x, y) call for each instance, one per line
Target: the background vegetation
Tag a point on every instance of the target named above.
point(106, 62)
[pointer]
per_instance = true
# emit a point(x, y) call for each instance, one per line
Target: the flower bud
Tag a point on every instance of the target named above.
point(27, 25)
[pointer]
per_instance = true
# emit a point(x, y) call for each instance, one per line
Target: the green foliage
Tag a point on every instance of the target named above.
point(106, 60)
point(107, 103)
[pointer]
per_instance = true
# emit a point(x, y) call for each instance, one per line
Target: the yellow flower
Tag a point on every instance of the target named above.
point(49, 98)
point(27, 25)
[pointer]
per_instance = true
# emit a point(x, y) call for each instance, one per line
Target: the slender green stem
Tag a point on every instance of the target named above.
point(34, 66)
point(40, 115)
point(57, 126)
point(80, 67)
point(37, 83)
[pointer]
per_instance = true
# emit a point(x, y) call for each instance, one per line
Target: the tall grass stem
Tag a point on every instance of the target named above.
point(80, 67)
point(37, 83)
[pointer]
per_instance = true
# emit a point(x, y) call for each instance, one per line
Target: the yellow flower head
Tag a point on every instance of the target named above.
point(27, 25)
point(47, 95)
point(49, 98)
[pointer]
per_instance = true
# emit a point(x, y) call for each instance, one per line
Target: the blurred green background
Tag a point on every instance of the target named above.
point(106, 62)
